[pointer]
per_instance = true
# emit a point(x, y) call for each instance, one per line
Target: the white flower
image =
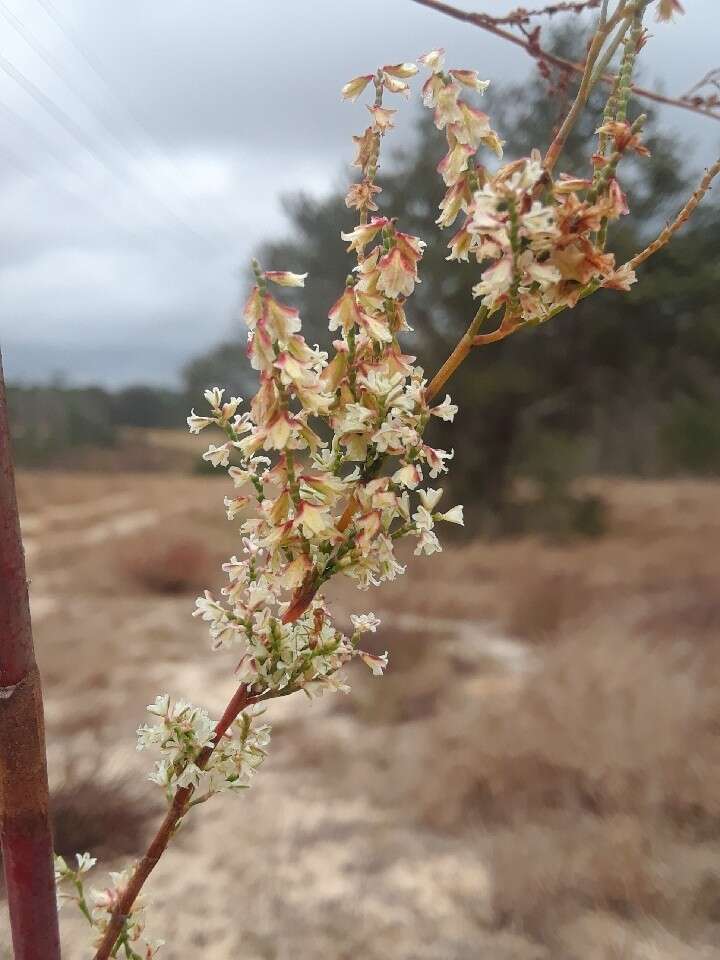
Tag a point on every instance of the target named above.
point(445, 410)
point(196, 423)
point(217, 456)
point(159, 707)
point(429, 499)
point(214, 397)
point(428, 543)
point(433, 60)
point(455, 515)
point(85, 862)
point(377, 664)
point(285, 278)
point(364, 622)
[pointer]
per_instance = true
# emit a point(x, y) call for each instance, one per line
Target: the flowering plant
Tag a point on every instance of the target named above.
point(328, 463)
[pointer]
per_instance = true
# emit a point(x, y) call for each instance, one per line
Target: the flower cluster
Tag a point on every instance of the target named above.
point(305, 459)
point(540, 241)
point(98, 905)
point(182, 732)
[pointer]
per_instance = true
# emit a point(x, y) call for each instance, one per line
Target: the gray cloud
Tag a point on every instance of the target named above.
point(121, 252)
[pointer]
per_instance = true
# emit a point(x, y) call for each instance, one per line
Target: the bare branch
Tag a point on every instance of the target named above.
point(672, 228)
point(24, 821)
point(533, 48)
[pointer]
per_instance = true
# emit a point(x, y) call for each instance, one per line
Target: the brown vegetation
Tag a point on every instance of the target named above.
point(534, 779)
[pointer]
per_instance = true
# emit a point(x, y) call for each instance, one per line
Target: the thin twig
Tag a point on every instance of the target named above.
point(682, 217)
point(485, 22)
point(241, 699)
point(623, 12)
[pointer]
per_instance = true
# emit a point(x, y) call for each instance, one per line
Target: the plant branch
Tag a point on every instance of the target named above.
point(622, 13)
point(26, 837)
point(531, 47)
point(241, 699)
point(683, 216)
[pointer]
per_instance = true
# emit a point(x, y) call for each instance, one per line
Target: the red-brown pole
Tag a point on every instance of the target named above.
point(25, 833)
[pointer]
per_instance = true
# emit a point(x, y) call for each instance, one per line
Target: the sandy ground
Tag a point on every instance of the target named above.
point(342, 874)
point(308, 863)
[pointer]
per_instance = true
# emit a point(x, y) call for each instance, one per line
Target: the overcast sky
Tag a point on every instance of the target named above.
point(144, 147)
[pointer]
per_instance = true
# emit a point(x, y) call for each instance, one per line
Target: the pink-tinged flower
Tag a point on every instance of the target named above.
point(401, 70)
point(460, 244)
point(253, 308)
point(382, 117)
point(353, 88)
point(457, 198)
point(472, 127)
point(623, 137)
point(434, 60)
point(376, 327)
point(285, 278)
point(260, 348)
point(620, 279)
point(408, 476)
point(265, 402)
point(344, 312)
point(292, 371)
point(366, 145)
point(543, 273)
point(447, 108)
point(469, 78)
point(431, 89)
point(361, 196)
point(435, 459)
point(397, 274)
point(495, 281)
point(618, 200)
point(454, 163)
point(234, 505)
point(568, 184)
point(493, 142)
point(315, 521)
point(364, 233)
point(410, 247)
point(295, 572)
point(335, 371)
point(668, 8)
point(279, 431)
point(282, 321)
point(368, 527)
point(378, 665)
point(393, 85)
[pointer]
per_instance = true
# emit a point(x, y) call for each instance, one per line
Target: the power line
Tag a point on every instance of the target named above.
point(154, 149)
point(48, 146)
point(72, 128)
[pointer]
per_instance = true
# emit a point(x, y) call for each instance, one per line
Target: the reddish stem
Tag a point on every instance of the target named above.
point(241, 699)
point(25, 833)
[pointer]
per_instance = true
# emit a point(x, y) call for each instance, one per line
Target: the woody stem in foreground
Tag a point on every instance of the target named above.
point(25, 833)
point(179, 807)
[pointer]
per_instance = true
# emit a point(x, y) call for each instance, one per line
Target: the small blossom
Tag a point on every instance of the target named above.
point(353, 88)
point(285, 278)
point(455, 515)
point(365, 622)
point(378, 665)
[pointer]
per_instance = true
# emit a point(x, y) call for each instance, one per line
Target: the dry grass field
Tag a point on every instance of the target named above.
point(536, 778)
